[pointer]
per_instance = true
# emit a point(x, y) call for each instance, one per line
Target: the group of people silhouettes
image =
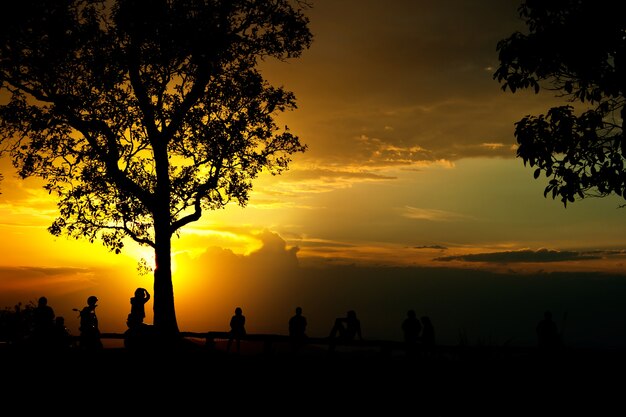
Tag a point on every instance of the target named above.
point(418, 330)
point(50, 331)
point(346, 328)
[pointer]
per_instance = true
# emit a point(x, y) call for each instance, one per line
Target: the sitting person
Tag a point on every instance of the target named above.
point(137, 308)
point(347, 328)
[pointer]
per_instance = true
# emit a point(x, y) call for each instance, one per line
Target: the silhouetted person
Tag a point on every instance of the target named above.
point(411, 327)
point(89, 330)
point(428, 332)
point(347, 328)
point(297, 329)
point(297, 325)
point(43, 322)
point(237, 329)
point(61, 336)
point(547, 333)
point(137, 308)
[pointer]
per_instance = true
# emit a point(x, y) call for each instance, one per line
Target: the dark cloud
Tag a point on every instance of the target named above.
point(605, 252)
point(36, 272)
point(430, 247)
point(24, 284)
point(541, 255)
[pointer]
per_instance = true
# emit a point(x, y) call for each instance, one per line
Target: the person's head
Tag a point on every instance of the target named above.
point(92, 300)
point(43, 301)
point(298, 311)
point(351, 314)
point(547, 315)
point(140, 292)
point(411, 314)
point(238, 311)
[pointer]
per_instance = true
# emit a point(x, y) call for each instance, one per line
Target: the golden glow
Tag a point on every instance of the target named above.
point(411, 158)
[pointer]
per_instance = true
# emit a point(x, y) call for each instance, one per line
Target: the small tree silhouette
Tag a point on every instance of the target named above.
point(142, 114)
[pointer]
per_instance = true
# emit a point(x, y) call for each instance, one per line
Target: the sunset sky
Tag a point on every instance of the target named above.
point(408, 197)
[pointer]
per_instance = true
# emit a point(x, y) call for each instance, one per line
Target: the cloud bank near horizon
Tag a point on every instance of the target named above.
point(523, 256)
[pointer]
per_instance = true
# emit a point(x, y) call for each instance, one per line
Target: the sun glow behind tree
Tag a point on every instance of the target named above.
point(140, 115)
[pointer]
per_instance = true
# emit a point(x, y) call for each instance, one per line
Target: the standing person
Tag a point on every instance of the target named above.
point(411, 327)
point(43, 322)
point(137, 308)
point(547, 333)
point(89, 330)
point(297, 329)
point(237, 329)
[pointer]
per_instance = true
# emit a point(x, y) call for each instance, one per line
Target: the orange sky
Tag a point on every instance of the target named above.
point(411, 166)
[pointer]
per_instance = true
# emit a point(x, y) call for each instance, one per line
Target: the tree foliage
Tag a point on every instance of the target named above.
point(142, 114)
point(577, 49)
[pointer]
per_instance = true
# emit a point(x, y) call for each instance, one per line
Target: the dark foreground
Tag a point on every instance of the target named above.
point(193, 380)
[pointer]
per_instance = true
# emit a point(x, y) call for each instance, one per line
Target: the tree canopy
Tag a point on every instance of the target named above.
point(142, 114)
point(577, 49)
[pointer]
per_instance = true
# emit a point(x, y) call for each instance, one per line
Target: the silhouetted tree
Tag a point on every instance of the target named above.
point(142, 114)
point(16, 323)
point(576, 48)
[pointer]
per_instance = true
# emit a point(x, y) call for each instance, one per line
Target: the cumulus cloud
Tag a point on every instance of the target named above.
point(526, 255)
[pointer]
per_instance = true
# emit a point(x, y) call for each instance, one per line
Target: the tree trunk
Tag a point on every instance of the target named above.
point(164, 311)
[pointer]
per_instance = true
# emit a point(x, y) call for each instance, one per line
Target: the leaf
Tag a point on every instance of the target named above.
point(537, 173)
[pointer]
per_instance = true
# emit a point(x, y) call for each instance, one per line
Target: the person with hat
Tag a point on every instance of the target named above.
point(89, 331)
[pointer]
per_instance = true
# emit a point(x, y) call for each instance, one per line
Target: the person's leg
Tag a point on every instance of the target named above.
point(337, 329)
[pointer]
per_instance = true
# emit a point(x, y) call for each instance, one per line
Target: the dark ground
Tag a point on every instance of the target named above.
point(194, 380)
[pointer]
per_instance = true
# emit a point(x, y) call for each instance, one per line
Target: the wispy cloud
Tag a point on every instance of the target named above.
point(432, 214)
point(333, 175)
point(493, 146)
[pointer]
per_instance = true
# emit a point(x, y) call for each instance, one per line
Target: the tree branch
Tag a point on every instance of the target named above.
point(149, 120)
point(200, 194)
